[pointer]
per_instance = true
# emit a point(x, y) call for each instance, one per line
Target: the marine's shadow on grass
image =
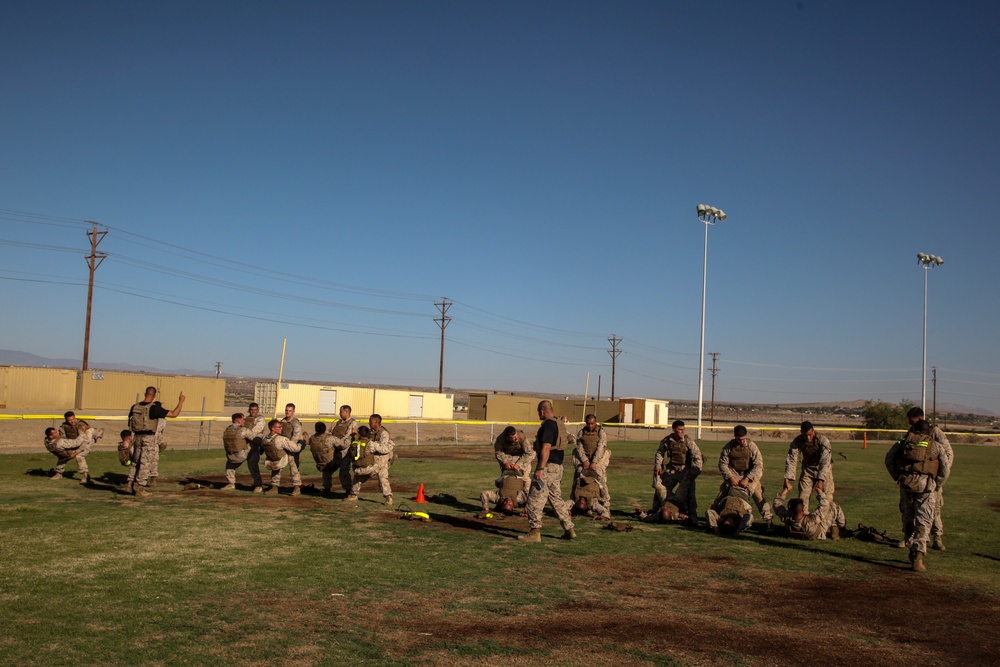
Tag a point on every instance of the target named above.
point(799, 545)
point(40, 472)
point(986, 556)
point(480, 525)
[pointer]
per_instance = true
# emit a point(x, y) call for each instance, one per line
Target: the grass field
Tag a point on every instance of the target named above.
point(211, 577)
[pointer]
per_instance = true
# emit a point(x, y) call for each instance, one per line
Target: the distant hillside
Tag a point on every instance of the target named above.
point(17, 358)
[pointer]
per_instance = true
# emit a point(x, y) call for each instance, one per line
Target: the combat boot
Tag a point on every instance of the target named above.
point(835, 533)
point(388, 501)
point(296, 491)
point(228, 487)
point(351, 497)
point(533, 535)
point(568, 535)
point(129, 488)
point(258, 489)
point(917, 559)
point(141, 492)
point(58, 475)
point(937, 543)
point(271, 490)
point(84, 478)
point(151, 483)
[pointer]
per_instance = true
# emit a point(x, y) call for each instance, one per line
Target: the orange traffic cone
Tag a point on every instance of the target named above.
point(420, 495)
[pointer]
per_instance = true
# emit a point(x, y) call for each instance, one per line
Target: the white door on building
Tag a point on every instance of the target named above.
point(328, 401)
point(416, 409)
point(628, 413)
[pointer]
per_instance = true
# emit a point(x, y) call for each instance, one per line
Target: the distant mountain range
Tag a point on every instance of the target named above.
point(17, 358)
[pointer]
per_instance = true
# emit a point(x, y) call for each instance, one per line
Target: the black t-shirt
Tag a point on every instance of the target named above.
point(157, 411)
point(549, 432)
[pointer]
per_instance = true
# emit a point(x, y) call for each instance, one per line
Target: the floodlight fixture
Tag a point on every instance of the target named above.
point(927, 262)
point(708, 215)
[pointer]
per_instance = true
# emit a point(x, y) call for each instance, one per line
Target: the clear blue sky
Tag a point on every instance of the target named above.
point(325, 171)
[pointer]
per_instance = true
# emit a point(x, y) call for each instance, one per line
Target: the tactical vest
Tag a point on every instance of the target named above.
point(340, 429)
point(739, 458)
point(798, 531)
point(734, 505)
point(811, 452)
point(286, 429)
point(586, 487)
point(590, 439)
point(232, 441)
point(321, 449)
point(677, 451)
point(916, 459)
point(71, 431)
point(511, 485)
point(125, 455)
point(271, 450)
point(139, 421)
point(364, 457)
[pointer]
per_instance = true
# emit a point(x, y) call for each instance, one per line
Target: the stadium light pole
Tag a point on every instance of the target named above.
point(708, 215)
point(927, 262)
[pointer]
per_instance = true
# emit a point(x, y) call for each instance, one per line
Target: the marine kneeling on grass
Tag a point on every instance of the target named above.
point(510, 494)
point(280, 453)
point(590, 496)
point(827, 519)
point(371, 457)
point(71, 449)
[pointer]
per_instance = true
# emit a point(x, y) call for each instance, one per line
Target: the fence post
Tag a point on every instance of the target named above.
point(456, 433)
point(416, 432)
point(201, 424)
point(492, 439)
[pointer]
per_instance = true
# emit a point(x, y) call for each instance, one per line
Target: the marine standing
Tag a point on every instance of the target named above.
point(676, 466)
point(550, 443)
point(817, 464)
point(914, 415)
point(144, 420)
point(236, 440)
point(742, 466)
point(591, 457)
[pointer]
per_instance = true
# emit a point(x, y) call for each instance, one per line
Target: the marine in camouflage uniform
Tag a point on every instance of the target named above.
point(817, 464)
point(676, 466)
point(550, 444)
point(511, 492)
point(324, 453)
point(292, 429)
point(279, 451)
point(732, 514)
point(372, 455)
point(144, 421)
point(591, 457)
point(918, 464)
point(343, 434)
point(742, 465)
point(937, 530)
point(515, 457)
point(256, 423)
point(67, 449)
point(828, 518)
point(236, 440)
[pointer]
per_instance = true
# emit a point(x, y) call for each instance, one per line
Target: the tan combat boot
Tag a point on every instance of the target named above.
point(271, 490)
point(258, 489)
point(228, 487)
point(388, 501)
point(141, 492)
point(151, 483)
point(58, 475)
point(937, 543)
point(917, 559)
point(351, 497)
point(533, 535)
point(569, 535)
point(296, 491)
point(835, 533)
point(84, 478)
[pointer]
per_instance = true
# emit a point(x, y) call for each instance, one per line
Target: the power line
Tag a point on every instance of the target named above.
point(614, 352)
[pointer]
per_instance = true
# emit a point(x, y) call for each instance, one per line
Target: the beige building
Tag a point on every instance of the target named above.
point(494, 407)
point(325, 400)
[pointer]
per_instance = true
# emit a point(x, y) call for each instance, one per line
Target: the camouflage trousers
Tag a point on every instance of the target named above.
point(552, 493)
point(344, 473)
point(938, 527)
point(683, 495)
point(917, 510)
point(63, 456)
point(250, 456)
point(289, 461)
point(145, 459)
point(806, 485)
point(362, 475)
point(756, 491)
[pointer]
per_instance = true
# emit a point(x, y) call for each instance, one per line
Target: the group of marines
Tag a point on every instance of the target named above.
point(919, 463)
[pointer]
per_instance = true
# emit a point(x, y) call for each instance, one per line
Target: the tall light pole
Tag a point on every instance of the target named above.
point(708, 215)
point(928, 262)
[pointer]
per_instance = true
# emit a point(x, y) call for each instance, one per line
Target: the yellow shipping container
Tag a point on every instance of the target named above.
point(324, 401)
point(27, 388)
point(110, 390)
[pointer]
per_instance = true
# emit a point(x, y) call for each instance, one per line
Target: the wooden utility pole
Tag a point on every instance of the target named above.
point(218, 369)
point(94, 260)
point(934, 384)
point(614, 352)
point(442, 322)
point(715, 356)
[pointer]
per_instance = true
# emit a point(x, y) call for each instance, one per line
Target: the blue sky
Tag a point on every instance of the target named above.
point(325, 171)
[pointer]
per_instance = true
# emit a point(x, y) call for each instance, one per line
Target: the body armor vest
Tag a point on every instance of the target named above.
point(587, 486)
point(811, 452)
point(341, 429)
point(739, 459)
point(590, 439)
point(286, 429)
point(509, 448)
point(511, 485)
point(916, 459)
point(139, 421)
point(271, 450)
point(362, 454)
point(736, 501)
point(232, 441)
point(677, 451)
point(71, 431)
point(322, 449)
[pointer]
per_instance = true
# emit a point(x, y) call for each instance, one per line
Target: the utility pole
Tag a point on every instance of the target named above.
point(614, 352)
point(934, 381)
point(715, 356)
point(218, 369)
point(442, 322)
point(94, 260)
point(598, 388)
